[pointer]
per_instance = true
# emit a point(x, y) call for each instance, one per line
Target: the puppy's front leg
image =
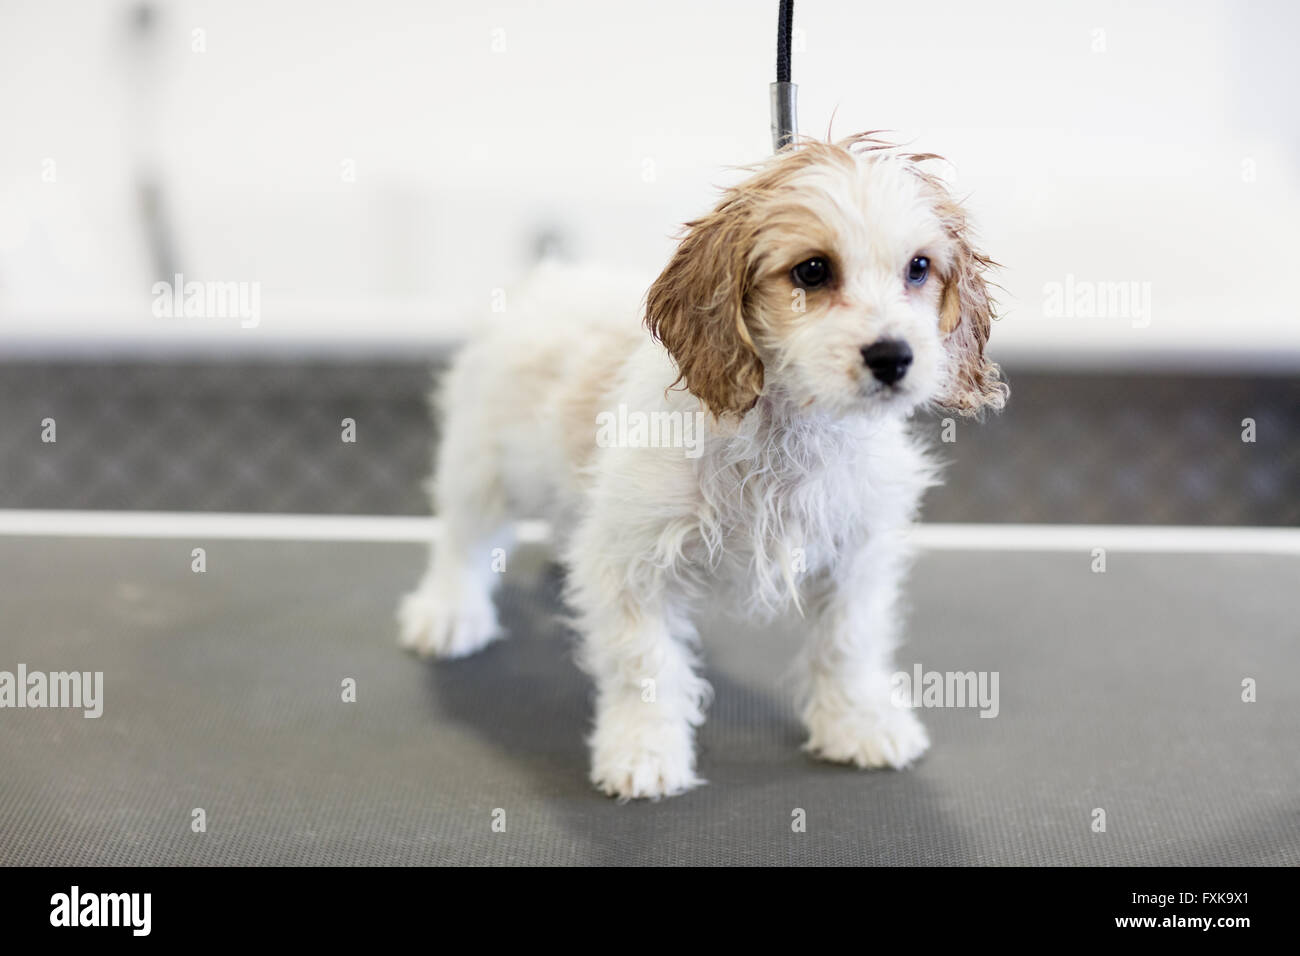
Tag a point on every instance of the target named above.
point(847, 663)
point(649, 700)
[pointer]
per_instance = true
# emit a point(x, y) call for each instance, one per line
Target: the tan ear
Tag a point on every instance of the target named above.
point(696, 308)
point(966, 318)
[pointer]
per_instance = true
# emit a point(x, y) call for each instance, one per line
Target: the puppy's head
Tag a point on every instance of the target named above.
point(839, 277)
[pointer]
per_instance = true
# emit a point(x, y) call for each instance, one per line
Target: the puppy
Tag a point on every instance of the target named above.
point(751, 451)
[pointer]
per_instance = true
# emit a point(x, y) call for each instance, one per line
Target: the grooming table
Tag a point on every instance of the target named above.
point(223, 691)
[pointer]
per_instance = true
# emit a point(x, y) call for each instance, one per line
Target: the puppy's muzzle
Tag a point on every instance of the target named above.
point(888, 359)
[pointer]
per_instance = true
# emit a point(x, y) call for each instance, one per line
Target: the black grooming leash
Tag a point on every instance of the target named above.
point(784, 116)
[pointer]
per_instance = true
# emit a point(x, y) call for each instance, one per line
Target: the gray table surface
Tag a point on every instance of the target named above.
point(1119, 691)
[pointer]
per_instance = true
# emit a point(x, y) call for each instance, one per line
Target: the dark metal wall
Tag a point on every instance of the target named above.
point(262, 437)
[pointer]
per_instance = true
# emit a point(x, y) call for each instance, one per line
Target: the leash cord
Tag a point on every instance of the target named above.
point(784, 115)
point(784, 26)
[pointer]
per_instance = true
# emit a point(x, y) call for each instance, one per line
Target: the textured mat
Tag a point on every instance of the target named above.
point(1118, 691)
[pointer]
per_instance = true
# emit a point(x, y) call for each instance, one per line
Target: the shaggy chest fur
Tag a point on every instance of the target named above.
point(788, 495)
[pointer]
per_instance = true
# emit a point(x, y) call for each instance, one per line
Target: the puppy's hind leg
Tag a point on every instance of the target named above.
point(450, 613)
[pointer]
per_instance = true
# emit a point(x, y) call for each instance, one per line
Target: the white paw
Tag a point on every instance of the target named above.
point(645, 757)
point(434, 627)
point(883, 737)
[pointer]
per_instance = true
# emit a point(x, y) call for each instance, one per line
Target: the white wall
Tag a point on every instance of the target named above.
point(1164, 149)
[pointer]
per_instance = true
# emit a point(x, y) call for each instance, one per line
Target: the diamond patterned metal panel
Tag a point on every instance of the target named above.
point(1129, 449)
point(250, 437)
point(266, 437)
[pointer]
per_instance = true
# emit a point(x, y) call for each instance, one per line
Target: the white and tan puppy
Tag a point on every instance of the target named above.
point(750, 449)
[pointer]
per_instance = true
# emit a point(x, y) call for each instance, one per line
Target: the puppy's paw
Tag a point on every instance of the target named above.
point(434, 627)
point(884, 737)
point(642, 759)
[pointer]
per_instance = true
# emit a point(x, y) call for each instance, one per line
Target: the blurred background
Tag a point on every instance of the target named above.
point(352, 186)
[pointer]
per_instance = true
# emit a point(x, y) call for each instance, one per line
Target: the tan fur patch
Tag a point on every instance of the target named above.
point(696, 308)
point(949, 308)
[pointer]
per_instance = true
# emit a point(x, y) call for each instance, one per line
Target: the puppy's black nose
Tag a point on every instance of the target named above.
point(888, 359)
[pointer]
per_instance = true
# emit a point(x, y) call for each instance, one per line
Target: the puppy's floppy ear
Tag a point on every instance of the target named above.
point(696, 308)
point(966, 318)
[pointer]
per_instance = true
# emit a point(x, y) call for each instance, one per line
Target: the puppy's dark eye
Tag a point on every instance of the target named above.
point(811, 273)
point(917, 270)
